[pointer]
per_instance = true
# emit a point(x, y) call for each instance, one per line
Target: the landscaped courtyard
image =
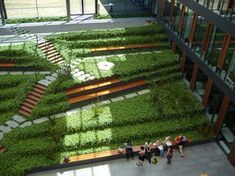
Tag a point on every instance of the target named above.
point(111, 85)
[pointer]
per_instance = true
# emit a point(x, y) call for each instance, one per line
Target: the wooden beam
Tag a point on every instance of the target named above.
point(182, 62)
point(172, 10)
point(193, 78)
point(207, 92)
point(207, 38)
point(224, 50)
point(193, 28)
point(181, 20)
point(163, 7)
point(221, 115)
point(173, 47)
point(231, 155)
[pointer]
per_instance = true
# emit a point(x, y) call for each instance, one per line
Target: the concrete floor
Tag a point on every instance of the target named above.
point(207, 158)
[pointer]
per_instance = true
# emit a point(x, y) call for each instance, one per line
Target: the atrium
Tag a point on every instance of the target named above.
point(84, 84)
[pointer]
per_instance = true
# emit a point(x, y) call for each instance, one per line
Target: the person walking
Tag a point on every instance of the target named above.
point(169, 154)
point(148, 151)
point(141, 156)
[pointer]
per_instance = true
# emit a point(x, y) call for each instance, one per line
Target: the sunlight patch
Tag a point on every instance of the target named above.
point(105, 65)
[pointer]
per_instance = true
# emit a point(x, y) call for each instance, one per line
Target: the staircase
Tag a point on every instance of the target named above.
point(33, 98)
point(105, 89)
point(51, 52)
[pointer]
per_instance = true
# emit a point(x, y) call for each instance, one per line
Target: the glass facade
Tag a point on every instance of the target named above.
point(215, 48)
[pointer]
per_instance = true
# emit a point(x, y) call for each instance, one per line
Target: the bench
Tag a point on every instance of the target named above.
point(150, 45)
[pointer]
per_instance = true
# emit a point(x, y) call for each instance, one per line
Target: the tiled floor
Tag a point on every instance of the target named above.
point(207, 158)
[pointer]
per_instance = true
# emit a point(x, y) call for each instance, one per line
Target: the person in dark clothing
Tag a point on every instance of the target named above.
point(129, 150)
point(148, 151)
point(141, 156)
point(169, 154)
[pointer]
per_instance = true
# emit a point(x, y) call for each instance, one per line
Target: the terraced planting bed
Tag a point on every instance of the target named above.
point(80, 44)
point(25, 57)
point(105, 128)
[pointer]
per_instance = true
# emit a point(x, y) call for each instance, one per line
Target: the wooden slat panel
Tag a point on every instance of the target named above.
point(149, 45)
point(107, 91)
point(207, 92)
point(194, 77)
point(93, 86)
point(182, 62)
point(224, 50)
point(181, 20)
point(7, 65)
point(221, 115)
point(207, 38)
point(193, 29)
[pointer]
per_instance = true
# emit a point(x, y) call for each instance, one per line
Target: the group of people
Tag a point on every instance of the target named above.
point(159, 148)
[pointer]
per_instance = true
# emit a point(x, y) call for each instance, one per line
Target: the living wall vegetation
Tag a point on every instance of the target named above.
point(105, 127)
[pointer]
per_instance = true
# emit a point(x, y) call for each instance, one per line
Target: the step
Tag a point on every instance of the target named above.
point(44, 43)
point(34, 98)
point(38, 90)
point(149, 45)
point(56, 58)
point(28, 105)
point(46, 50)
point(53, 55)
point(24, 112)
point(92, 86)
point(50, 52)
point(40, 86)
point(36, 94)
point(57, 61)
point(29, 100)
point(46, 46)
point(107, 91)
point(25, 108)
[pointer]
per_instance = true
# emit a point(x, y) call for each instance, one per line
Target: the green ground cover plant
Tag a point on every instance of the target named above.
point(107, 33)
point(25, 55)
point(129, 64)
point(14, 89)
point(86, 131)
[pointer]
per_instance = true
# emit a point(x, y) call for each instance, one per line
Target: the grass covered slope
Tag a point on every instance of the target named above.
point(105, 127)
point(25, 55)
point(79, 44)
point(14, 89)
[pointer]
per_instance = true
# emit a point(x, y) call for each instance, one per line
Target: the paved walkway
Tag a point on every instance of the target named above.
point(207, 158)
point(63, 26)
point(46, 28)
